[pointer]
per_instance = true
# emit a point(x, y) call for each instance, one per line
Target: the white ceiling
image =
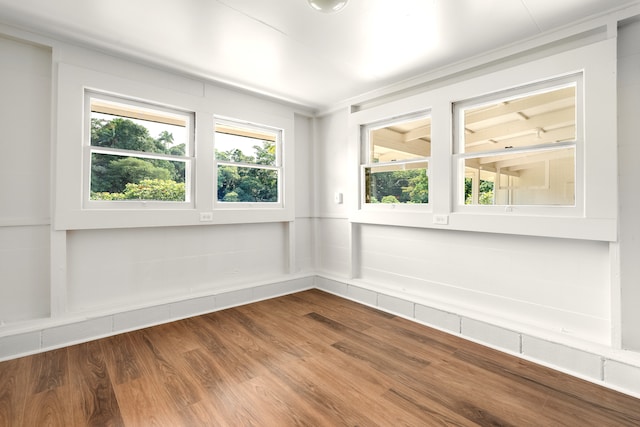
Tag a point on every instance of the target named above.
point(285, 49)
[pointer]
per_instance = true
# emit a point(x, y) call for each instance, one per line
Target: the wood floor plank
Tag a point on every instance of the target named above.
point(13, 391)
point(162, 368)
point(48, 408)
point(143, 402)
point(218, 337)
point(49, 370)
point(307, 359)
point(224, 396)
point(121, 359)
point(92, 389)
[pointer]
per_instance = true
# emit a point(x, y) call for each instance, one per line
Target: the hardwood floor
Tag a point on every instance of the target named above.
point(308, 359)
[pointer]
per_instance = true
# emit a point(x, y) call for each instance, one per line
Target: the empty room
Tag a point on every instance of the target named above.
point(319, 213)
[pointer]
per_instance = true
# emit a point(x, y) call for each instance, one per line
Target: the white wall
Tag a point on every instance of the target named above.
point(62, 286)
point(629, 176)
point(123, 267)
point(25, 85)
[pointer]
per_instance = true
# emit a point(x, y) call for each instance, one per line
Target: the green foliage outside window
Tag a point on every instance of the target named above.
point(485, 192)
point(118, 177)
point(246, 183)
point(404, 186)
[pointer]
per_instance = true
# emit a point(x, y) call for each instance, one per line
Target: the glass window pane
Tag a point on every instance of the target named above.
point(247, 184)
point(402, 183)
point(129, 127)
point(540, 118)
point(545, 177)
point(116, 177)
point(401, 141)
point(245, 145)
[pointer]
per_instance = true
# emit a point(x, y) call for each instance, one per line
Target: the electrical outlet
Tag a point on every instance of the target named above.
point(206, 216)
point(441, 219)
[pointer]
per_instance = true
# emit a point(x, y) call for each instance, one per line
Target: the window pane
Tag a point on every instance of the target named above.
point(402, 183)
point(247, 184)
point(536, 119)
point(531, 178)
point(245, 145)
point(401, 141)
point(116, 177)
point(129, 127)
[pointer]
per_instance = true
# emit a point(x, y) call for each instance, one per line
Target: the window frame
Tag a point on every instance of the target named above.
point(278, 167)
point(578, 144)
point(89, 150)
point(366, 162)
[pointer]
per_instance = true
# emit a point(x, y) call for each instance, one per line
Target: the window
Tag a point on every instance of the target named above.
point(136, 152)
point(520, 148)
point(396, 159)
point(248, 163)
point(527, 148)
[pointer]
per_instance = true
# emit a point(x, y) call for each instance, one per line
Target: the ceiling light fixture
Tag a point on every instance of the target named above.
point(327, 6)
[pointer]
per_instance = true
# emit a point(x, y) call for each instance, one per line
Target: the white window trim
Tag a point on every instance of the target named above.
point(279, 133)
point(459, 156)
point(188, 159)
point(365, 149)
point(596, 177)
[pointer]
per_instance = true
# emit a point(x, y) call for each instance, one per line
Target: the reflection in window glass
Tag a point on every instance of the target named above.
point(401, 141)
point(396, 165)
point(532, 178)
point(520, 150)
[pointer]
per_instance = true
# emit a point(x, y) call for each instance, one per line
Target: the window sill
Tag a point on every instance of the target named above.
point(129, 218)
point(597, 229)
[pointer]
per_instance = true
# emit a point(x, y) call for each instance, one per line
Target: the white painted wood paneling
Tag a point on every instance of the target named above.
point(124, 267)
point(332, 165)
point(25, 106)
point(303, 140)
point(629, 175)
point(24, 273)
point(333, 250)
point(304, 245)
point(554, 284)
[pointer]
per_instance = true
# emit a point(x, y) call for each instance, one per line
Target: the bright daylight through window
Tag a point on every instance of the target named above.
point(138, 151)
point(520, 148)
point(396, 158)
point(248, 164)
